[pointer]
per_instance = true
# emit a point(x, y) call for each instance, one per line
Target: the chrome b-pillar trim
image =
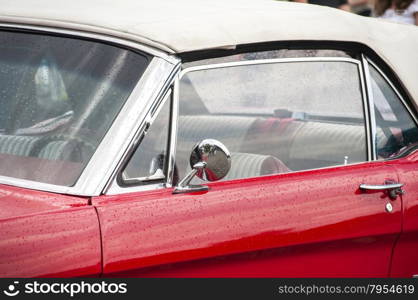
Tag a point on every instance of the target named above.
point(173, 133)
point(366, 109)
point(370, 104)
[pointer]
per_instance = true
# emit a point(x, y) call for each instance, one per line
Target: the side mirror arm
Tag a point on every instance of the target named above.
point(184, 185)
point(210, 160)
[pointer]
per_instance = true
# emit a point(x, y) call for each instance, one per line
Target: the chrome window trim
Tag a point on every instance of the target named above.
point(363, 91)
point(173, 133)
point(371, 131)
point(148, 123)
point(133, 122)
point(304, 59)
point(102, 164)
point(112, 186)
point(267, 61)
point(40, 186)
point(393, 87)
point(116, 189)
point(367, 100)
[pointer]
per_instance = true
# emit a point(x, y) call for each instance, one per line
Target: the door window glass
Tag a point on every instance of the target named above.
point(274, 117)
point(149, 160)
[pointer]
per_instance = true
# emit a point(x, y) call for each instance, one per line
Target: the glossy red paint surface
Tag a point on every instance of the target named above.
point(318, 260)
point(45, 234)
point(405, 256)
point(312, 223)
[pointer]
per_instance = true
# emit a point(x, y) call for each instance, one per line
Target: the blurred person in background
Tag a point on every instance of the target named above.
point(361, 7)
point(341, 4)
point(400, 11)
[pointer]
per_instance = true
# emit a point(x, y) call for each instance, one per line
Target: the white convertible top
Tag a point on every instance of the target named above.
point(187, 25)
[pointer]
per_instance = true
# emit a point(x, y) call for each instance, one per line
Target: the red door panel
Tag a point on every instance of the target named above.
point(405, 258)
point(286, 261)
point(312, 223)
point(45, 234)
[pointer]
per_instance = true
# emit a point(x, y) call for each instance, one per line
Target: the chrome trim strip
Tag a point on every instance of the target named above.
point(368, 97)
point(173, 135)
point(405, 104)
point(35, 185)
point(115, 189)
point(366, 115)
point(268, 61)
point(155, 111)
point(96, 36)
point(112, 186)
point(127, 128)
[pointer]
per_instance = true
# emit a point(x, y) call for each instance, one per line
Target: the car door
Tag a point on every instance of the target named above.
point(291, 204)
point(397, 118)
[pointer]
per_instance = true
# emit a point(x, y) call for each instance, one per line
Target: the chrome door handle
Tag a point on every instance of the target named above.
point(394, 189)
point(390, 186)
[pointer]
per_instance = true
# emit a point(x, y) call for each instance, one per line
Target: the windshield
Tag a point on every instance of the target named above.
point(58, 98)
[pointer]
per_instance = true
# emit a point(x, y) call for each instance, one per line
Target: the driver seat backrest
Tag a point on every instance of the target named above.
point(17, 145)
point(74, 151)
point(21, 145)
point(56, 150)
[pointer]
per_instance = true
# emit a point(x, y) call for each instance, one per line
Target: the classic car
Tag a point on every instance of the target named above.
point(198, 138)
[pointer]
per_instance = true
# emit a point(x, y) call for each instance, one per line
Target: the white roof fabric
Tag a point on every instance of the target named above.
point(188, 25)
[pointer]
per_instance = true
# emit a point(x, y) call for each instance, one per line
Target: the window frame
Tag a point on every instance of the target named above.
point(117, 187)
point(366, 62)
point(362, 62)
point(99, 169)
point(115, 184)
point(155, 111)
point(362, 83)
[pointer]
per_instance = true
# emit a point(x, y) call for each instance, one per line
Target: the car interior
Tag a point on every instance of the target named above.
point(57, 107)
point(270, 142)
point(275, 141)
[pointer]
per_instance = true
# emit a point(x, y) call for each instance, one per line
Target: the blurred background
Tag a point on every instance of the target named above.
point(399, 11)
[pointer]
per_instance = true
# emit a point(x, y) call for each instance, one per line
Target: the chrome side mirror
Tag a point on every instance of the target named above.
point(210, 160)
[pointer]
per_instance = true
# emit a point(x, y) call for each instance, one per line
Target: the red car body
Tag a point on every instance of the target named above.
point(310, 223)
point(251, 227)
